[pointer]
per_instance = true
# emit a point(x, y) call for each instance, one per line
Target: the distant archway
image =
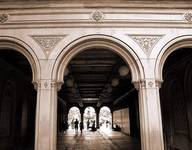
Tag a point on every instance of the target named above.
point(105, 118)
point(74, 113)
point(89, 117)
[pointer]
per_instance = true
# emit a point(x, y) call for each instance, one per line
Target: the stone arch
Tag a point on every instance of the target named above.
point(98, 41)
point(104, 106)
point(24, 49)
point(171, 46)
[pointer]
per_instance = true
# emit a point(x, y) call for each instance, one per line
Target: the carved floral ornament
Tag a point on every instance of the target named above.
point(146, 42)
point(97, 16)
point(188, 17)
point(47, 42)
point(3, 17)
point(47, 84)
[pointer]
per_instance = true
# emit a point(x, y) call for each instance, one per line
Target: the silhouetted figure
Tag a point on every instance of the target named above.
point(93, 128)
point(88, 123)
point(117, 128)
point(107, 123)
point(65, 126)
point(81, 126)
point(76, 124)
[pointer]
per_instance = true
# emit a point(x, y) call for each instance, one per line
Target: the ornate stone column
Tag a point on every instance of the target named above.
point(150, 115)
point(46, 115)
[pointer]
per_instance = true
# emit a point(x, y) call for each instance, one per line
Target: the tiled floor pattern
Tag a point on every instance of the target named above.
point(98, 140)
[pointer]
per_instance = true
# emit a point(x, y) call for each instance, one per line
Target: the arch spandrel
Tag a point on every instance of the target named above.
point(24, 49)
point(171, 46)
point(98, 41)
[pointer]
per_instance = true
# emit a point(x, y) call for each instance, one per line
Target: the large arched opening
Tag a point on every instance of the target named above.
point(175, 95)
point(18, 97)
point(99, 72)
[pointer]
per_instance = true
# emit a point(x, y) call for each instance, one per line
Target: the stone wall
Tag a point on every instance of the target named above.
point(121, 118)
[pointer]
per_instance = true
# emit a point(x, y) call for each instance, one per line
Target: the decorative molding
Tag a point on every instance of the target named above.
point(188, 17)
point(146, 42)
point(139, 84)
point(36, 84)
point(150, 84)
point(3, 17)
point(147, 83)
point(97, 16)
point(47, 84)
point(47, 42)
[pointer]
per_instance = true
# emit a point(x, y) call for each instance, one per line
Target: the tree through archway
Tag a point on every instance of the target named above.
point(89, 117)
point(105, 118)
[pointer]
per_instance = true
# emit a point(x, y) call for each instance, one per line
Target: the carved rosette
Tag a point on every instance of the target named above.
point(188, 17)
point(3, 18)
point(48, 42)
point(148, 83)
point(146, 42)
point(97, 16)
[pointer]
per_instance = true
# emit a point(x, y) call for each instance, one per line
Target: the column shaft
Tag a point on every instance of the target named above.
point(150, 116)
point(46, 116)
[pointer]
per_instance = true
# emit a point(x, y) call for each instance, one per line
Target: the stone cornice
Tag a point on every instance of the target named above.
point(12, 4)
point(91, 17)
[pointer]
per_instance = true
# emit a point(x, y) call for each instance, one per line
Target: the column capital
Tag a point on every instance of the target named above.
point(47, 84)
point(147, 83)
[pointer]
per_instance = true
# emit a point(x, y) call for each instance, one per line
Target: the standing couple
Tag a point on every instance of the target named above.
point(77, 124)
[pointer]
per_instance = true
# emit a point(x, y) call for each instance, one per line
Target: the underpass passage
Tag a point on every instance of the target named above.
point(102, 140)
point(98, 93)
point(17, 102)
point(176, 100)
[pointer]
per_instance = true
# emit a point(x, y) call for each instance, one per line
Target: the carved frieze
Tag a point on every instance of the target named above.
point(47, 84)
point(148, 83)
point(3, 18)
point(146, 42)
point(47, 42)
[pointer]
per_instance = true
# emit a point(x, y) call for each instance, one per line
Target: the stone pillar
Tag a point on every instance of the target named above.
point(46, 115)
point(82, 115)
point(150, 115)
point(97, 118)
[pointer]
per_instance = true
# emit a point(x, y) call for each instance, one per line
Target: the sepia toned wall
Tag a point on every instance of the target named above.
point(142, 33)
point(121, 118)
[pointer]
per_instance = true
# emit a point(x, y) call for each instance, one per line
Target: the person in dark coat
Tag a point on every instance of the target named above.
point(81, 126)
point(76, 124)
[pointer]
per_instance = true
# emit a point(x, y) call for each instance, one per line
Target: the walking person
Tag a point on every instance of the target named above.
point(81, 126)
point(88, 123)
point(76, 125)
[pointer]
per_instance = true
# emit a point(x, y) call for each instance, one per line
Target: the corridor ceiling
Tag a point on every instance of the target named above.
point(90, 76)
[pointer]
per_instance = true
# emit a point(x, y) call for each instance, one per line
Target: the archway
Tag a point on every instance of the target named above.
point(18, 98)
point(105, 118)
point(89, 117)
point(74, 113)
point(99, 72)
point(175, 95)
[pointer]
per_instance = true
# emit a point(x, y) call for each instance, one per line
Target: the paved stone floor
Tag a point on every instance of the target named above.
point(98, 140)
